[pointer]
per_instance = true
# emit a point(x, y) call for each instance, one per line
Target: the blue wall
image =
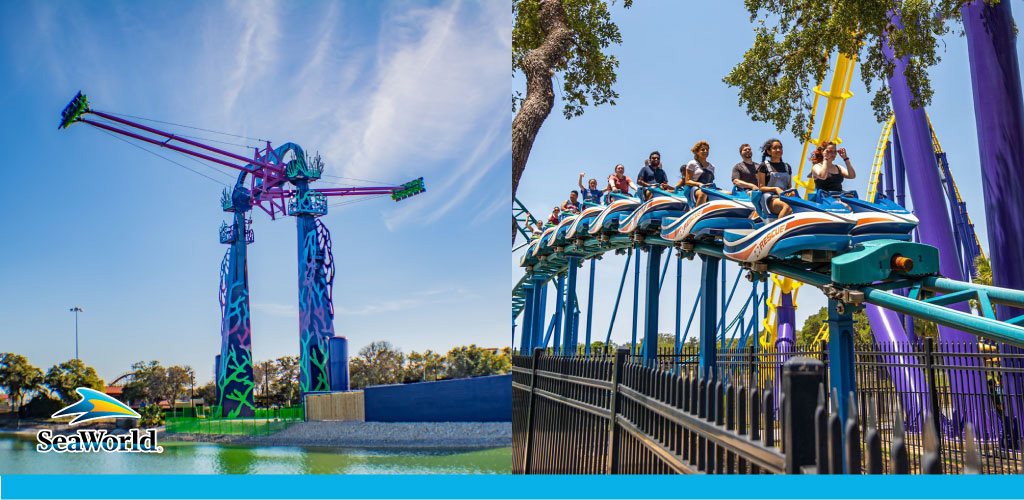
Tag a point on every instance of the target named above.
point(479, 399)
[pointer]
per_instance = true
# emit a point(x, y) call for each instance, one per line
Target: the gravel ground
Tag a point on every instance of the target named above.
point(374, 434)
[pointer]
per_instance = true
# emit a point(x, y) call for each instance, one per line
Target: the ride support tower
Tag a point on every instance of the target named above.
point(235, 381)
point(316, 278)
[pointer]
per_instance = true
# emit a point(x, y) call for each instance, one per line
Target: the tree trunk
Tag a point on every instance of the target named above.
point(540, 94)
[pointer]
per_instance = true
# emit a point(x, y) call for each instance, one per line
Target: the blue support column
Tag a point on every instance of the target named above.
point(900, 168)
point(636, 301)
point(757, 313)
point(568, 338)
point(526, 342)
point(887, 179)
point(540, 292)
point(618, 297)
point(725, 303)
point(840, 355)
point(559, 304)
point(651, 310)
point(590, 305)
point(708, 317)
point(679, 307)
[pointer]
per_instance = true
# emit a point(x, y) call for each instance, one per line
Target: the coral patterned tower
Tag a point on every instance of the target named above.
point(234, 371)
point(316, 275)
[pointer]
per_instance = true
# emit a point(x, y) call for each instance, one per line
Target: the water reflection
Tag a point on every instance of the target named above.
point(19, 456)
point(235, 460)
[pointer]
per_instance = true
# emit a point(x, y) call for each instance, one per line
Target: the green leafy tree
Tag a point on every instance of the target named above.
point(982, 271)
point(378, 363)
point(18, 379)
point(284, 387)
point(263, 373)
point(473, 361)
point(428, 365)
point(568, 38)
point(178, 379)
point(149, 383)
point(982, 275)
point(64, 378)
point(861, 327)
point(152, 416)
point(208, 393)
point(793, 41)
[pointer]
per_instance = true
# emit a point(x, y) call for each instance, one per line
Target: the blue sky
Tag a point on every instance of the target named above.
point(672, 60)
point(385, 91)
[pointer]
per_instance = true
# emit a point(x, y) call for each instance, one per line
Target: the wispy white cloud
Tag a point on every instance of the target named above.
point(414, 300)
point(281, 310)
point(256, 46)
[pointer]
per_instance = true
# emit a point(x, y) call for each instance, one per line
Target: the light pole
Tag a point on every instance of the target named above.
point(76, 310)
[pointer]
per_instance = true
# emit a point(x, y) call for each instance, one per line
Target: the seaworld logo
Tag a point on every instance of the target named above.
point(94, 406)
point(92, 440)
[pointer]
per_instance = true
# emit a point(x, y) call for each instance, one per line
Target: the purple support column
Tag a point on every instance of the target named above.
point(786, 319)
point(999, 114)
point(910, 382)
point(934, 229)
point(784, 339)
point(923, 181)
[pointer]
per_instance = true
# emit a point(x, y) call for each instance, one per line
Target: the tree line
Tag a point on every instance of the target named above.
point(276, 382)
point(20, 380)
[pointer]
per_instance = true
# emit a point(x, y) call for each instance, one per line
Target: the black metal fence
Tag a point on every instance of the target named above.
point(574, 397)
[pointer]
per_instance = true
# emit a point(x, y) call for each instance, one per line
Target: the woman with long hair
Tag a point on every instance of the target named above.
point(774, 177)
point(828, 177)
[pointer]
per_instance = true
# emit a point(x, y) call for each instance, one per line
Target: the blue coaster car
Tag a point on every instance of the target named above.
point(812, 226)
point(721, 211)
point(554, 236)
point(883, 219)
point(648, 218)
point(529, 255)
point(607, 222)
point(582, 223)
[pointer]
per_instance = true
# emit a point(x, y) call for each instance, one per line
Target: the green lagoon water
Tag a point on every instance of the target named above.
point(18, 455)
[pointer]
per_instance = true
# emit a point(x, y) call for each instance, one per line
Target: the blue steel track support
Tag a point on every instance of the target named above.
point(650, 348)
point(840, 354)
point(569, 337)
point(540, 291)
point(725, 303)
point(679, 305)
point(618, 297)
point(636, 301)
point(708, 316)
point(557, 319)
point(590, 306)
point(526, 342)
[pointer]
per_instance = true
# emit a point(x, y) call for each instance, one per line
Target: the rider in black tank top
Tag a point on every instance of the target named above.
point(834, 182)
point(828, 176)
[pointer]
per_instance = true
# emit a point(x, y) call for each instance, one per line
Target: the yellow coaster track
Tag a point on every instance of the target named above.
point(835, 103)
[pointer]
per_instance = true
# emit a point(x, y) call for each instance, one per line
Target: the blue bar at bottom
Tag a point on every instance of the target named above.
point(564, 487)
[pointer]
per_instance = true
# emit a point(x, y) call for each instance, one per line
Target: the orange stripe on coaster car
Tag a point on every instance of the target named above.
point(869, 220)
point(789, 225)
point(795, 223)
